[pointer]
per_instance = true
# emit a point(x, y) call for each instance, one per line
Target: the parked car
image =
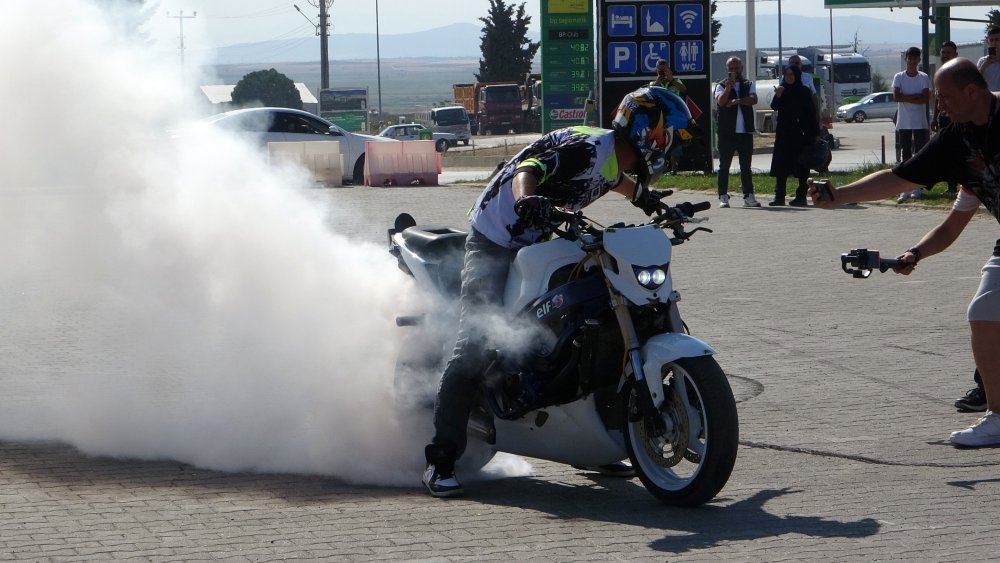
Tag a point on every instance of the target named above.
point(412, 132)
point(270, 124)
point(879, 104)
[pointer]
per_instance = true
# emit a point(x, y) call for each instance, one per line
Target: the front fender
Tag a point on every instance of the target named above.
point(664, 348)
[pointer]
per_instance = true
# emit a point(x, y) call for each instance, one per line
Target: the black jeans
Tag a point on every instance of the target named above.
point(911, 141)
point(484, 276)
point(736, 143)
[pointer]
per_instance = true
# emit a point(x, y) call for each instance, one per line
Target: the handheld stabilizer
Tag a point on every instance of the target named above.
point(860, 262)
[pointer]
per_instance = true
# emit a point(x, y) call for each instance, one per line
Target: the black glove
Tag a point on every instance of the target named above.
point(649, 200)
point(535, 210)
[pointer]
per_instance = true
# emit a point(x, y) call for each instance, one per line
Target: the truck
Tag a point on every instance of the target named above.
point(493, 107)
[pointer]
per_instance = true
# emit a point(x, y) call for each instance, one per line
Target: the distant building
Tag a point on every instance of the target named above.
point(220, 96)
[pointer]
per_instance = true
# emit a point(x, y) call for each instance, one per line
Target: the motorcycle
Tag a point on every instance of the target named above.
point(611, 373)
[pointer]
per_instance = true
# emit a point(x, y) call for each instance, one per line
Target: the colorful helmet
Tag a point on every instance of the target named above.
point(653, 119)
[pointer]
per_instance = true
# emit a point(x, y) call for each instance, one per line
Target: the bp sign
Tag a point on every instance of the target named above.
point(634, 34)
point(567, 62)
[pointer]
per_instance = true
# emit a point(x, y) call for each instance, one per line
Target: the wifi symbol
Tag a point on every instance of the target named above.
point(688, 17)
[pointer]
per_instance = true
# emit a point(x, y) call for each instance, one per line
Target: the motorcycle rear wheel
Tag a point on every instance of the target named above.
point(689, 463)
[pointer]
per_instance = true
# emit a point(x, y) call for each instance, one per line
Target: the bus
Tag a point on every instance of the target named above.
point(851, 76)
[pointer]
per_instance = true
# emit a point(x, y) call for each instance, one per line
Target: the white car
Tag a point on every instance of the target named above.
point(411, 132)
point(271, 125)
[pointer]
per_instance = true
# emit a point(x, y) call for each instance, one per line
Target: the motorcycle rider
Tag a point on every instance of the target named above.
point(569, 169)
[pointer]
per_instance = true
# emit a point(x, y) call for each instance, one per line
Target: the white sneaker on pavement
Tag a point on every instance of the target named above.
point(750, 201)
point(723, 200)
point(905, 196)
point(985, 432)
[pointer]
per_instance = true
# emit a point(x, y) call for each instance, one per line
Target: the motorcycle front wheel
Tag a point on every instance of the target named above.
point(686, 460)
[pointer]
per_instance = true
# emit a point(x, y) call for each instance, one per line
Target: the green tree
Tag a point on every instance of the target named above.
point(268, 87)
point(716, 25)
point(507, 51)
point(994, 17)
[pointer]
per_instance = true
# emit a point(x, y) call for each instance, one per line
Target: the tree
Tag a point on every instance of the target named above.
point(994, 17)
point(268, 87)
point(507, 51)
point(716, 25)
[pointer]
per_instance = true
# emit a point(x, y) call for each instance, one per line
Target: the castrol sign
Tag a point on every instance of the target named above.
point(566, 114)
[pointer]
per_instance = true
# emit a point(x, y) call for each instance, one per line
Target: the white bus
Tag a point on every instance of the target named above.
point(851, 76)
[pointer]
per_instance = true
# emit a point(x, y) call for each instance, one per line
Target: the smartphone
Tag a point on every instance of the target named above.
point(991, 51)
point(732, 75)
point(825, 190)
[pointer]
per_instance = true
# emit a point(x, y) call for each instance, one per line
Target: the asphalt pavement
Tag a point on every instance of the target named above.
point(844, 389)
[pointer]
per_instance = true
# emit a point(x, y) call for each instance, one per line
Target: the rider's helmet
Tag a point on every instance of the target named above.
point(653, 119)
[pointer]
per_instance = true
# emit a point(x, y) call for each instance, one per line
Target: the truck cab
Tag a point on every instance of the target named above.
point(499, 109)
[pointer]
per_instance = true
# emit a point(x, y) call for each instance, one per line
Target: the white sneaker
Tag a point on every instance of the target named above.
point(985, 432)
point(905, 196)
point(750, 201)
point(723, 200)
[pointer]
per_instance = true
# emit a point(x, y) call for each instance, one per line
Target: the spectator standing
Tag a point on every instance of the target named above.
point(990, 64)
point(735, 97)
point(665, 79)
point(912, 92)
point(796, 127)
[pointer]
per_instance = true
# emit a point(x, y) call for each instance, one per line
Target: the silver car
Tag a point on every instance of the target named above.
point(272, 124)
point(879, 104)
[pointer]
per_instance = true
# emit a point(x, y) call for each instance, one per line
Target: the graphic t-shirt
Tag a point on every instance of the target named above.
point(574, 166)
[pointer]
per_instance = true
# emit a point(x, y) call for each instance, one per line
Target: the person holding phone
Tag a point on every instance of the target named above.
point(735, 97)
point(990, 64)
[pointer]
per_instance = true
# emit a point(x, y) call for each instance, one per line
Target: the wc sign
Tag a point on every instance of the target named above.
point(633, 35)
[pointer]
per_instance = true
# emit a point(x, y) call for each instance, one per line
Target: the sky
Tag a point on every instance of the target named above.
point(227, 22)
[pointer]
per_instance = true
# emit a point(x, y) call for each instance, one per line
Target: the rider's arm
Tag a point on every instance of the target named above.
point(626, 187)
point(525, 183)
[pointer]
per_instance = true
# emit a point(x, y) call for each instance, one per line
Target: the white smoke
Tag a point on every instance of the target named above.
point(176, 300)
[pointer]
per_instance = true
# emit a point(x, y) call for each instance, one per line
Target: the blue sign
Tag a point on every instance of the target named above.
point(622, 58)
point(689, 56)
point(653, 51)
point(621, 21)
point(689, 19)
point(655, 20)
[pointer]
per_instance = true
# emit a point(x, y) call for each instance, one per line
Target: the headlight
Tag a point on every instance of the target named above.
point(651, 277)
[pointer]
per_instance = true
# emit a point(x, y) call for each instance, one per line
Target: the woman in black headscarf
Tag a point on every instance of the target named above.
point(796, 127)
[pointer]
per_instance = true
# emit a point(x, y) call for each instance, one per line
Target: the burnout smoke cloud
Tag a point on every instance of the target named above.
point(176, 298)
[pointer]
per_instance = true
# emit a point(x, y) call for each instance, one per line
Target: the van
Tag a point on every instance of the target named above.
point(454, 120)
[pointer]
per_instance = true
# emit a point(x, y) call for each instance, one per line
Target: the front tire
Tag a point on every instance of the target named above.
point(860, 117)
point(689, 463)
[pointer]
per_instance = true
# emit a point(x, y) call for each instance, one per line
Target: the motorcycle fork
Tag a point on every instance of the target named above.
point(648, 390)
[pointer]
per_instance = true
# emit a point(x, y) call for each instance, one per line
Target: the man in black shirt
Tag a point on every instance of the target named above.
point(967, 151)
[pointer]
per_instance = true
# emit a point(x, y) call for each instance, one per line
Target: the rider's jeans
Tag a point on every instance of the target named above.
point(484, 276)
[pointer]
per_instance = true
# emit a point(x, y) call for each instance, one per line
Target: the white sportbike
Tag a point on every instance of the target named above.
point(613, 374)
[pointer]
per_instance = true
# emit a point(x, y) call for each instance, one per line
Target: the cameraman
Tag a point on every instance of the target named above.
point(968, 151)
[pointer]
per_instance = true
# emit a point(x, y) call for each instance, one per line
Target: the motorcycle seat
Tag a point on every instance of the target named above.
point(434, 242)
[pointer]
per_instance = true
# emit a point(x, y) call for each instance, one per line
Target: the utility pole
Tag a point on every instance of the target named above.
point(180, 21)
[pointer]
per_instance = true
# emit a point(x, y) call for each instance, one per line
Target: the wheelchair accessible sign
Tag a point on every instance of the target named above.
point(640, 34)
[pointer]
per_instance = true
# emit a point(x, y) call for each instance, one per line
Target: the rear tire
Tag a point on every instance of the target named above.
point(689, 463)
point(441, 146)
